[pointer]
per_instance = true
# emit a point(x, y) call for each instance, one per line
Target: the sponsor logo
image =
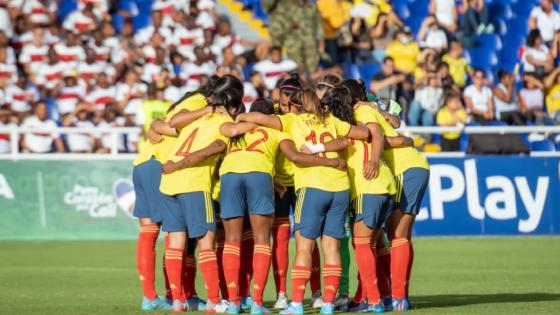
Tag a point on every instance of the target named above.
point(99, 204)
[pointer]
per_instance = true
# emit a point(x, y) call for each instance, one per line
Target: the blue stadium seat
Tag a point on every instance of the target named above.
point(414, 22)
point(518, 25)
point(464, 142)
point(483, 58)
point(65, 8)
point(402, 10)
point(118, 22)
point(501, 27)
point(490, 41)
point(542, 146)
point(523, 8)
point(500, 10)
point(367, 71)
point(497, 123)
point(140, 21)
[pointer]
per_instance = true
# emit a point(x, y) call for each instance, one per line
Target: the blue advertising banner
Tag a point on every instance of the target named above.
point(491, 195)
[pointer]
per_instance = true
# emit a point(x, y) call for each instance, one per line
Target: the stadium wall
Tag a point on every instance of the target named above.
point(93, 199)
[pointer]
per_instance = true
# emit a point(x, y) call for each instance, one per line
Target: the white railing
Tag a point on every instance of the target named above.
point(116, 132)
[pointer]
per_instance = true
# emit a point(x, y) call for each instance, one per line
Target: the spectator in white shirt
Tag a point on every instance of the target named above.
point(50, 75)
point(273, 68)
point(20, 96)
point(531, 100)
point(69, 52)
point(545, 19)
point(431, 35)
point(8, 71)
point(478, 98)
point(81, 21)
point(79, 142)
point(39, 12)
point(445, 12)
point(35, 53)
point(144, 35)
point(110, 119)
point(192, 72)
point(5, 122)
point(188, 36)
point(537, 58)
point(131, 91)
point(40, 141)
point(103, 92)
point(427, 101)
point(69, 94)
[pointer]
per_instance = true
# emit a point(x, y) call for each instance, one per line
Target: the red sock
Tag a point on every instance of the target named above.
point(315, 281)
point(400, 259)
point(219, 256)
point(146, 258)
point(383, 270)
point(300, 276)
point(261, 267)
point(208, 265)
point(232, 261)
point(409, 271)
point(365, 260)
point(247, 246)
point(174, 266)
point(189, 275)
point(167, 288)
point(331, 278)
point(280, 259)
point(360, 294)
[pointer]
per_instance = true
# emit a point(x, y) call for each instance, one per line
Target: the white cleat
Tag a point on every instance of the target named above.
point(317, 300)
point(221, 307)
point(282, 302)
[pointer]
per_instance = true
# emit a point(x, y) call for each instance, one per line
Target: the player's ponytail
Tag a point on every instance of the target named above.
point(205, 90)
point(309, 103)
point(340, 103)
point(357, 89)
point(228, 93)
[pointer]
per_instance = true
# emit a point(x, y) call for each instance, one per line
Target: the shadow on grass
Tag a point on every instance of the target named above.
point(450, 300)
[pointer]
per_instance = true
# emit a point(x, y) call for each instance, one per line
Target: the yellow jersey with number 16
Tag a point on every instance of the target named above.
point(308, 128)
point(196, 136)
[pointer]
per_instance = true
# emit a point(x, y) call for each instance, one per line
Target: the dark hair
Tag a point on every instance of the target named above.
point(388, 59)
point(228, 93)
point(205, 90)
point(289, 86)
point(328, 81)
point(276, 48)
point(340, 103)
point(532, 37)
point(502, 73)
point(260, 105)
point(477, 70)
point(357, 89)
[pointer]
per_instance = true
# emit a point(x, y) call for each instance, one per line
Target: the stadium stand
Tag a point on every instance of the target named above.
point(90, 63)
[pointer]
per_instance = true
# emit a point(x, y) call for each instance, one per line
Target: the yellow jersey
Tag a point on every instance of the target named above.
point(400, 159)
point(162, 150)
point(307, 128)
point(359, 153)
point(194, 137)
point(254, 152)
point(284, 170)
point(458, 68)
point(404, 55)
point(151, 110)
point(444, 118)
point(553, 100)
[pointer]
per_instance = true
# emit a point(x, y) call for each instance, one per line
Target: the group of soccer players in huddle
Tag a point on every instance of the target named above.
point(224, 180)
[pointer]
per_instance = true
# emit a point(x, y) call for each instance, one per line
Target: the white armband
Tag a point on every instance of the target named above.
point(315, 148)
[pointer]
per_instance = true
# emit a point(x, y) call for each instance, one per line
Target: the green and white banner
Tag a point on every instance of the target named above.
point(62, 200)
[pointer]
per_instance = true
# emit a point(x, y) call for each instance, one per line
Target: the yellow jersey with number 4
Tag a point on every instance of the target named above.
point(255, 152)
point(400, 159)
point(308, 128)
point(359, 153)
point(196, 136)
point(161, 150)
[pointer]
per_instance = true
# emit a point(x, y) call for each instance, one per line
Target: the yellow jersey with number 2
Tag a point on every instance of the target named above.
point(255, 152)
point(308, 128)
point(359, 153)
point(194, 137)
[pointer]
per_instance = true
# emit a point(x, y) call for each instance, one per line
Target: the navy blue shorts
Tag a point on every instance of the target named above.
point(150, 202)
point(411, 186)
point(373, 210)
point(196, 215)
point(319, 212)
point(251, 193)
point(285, 205)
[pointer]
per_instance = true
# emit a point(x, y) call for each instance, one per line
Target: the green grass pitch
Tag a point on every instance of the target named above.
point(450, 276)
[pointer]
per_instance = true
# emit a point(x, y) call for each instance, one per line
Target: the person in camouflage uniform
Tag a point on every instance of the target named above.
point(296, 25)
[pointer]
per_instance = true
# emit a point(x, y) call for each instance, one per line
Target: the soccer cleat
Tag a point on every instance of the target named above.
point(388, 303)
point(293, 309)
point(327, 309)
point(234, 308)
point(156, 304)
point(317, 300)
point(361, 307)
point(400, 305)
point(177, 307)
point(376, 308)
point(221, 307)
point(257, 309)
point(282, 302)
point(341, 302)
point(246, 303)
point(194, 303)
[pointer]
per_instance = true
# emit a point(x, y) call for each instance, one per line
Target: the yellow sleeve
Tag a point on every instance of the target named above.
point(281, 136)
point(366, 115)
point(222, 119)
point(193, 103)
point(391, 50)
point(441, 117)
point(287, 121)
point(384, 7)
point(342, 127)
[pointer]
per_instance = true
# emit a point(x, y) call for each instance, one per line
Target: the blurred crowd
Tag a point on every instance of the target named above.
point(86, 70)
